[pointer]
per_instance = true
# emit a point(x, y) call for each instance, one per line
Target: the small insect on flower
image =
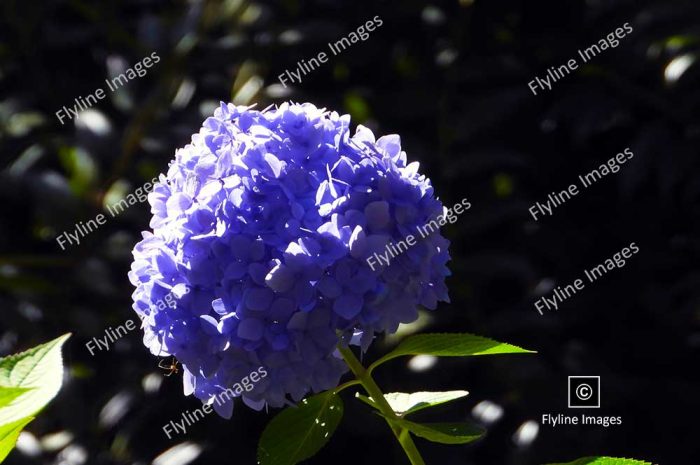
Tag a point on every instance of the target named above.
point(171, 368)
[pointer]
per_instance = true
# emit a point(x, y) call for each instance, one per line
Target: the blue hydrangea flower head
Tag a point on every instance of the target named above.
point(266, 232)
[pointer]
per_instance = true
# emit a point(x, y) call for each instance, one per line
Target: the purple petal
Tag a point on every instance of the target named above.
point(209, 324)
point(348, 305)
point(377, 214)
point(280, 278)
point(251, 329)
point(259, 299)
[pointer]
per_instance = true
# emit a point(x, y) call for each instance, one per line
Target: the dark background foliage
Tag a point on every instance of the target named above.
point(450, 77)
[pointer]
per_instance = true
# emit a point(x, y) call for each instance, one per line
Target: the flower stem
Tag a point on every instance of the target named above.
point(364, 377)
point(350, 383)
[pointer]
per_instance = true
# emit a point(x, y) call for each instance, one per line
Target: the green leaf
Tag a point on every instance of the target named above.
point(357, 106)
point(449, 345)
point(444, 433)
point(603, 461)
point(403, 403)
point(80, 166)
point(9, 394)
point(39, 368)
point(9, 434)
point(299, 432)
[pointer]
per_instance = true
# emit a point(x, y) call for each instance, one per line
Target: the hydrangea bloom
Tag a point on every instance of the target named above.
point(261, 231)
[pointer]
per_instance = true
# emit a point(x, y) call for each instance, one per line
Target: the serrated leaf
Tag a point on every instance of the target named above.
point(298, 433)
point(403, 403)
point(444, 433)
point(9, 434)
point(604, 461)
point(8, 394)
point(449, 345)
point(39, 368)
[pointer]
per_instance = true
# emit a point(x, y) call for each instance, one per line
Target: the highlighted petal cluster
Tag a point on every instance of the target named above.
point(262, 228)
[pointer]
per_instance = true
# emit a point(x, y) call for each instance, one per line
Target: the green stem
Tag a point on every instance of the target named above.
point(350, 383)
point(364, 377)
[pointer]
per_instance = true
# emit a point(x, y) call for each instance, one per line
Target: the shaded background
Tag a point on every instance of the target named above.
point(451, 78)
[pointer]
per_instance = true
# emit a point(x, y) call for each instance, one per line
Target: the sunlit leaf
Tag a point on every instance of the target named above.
point(449, 345)
point(404, 403)
point(39, 368)
point(300, 432)
point(603, 461)
point(9, 394)
point(9, 434)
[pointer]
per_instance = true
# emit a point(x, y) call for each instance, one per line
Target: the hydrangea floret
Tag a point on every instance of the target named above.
point(261, 230)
